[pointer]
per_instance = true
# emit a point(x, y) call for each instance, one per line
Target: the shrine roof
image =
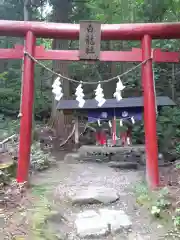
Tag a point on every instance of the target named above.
point(112, 103)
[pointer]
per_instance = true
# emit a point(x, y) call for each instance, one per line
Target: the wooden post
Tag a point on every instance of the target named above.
point(76, 135)
point(114, 130)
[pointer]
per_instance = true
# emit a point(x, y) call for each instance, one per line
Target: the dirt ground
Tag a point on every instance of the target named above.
point(52, 187)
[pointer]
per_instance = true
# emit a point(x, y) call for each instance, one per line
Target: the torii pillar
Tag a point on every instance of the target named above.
point(26, 111)
point(152, 172)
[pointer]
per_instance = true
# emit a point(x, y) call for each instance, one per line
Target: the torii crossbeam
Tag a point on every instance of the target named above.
point(142, 32)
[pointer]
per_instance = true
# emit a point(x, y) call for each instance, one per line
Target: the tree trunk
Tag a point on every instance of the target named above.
point(173, 83)
point(60, 14)
point(109, 88)
point(27, 7)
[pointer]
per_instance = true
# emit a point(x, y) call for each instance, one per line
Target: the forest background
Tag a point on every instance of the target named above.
point(72, 11)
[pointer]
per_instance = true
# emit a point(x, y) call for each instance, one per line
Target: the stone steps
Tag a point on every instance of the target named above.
point(117, 160)
point(98, 218)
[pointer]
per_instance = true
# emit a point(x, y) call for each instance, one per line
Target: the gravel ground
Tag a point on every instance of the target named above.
point(67, 178)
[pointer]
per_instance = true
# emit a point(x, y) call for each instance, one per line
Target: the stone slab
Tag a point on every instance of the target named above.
point(94, 158)
point(137, 236)
point(85, 149)
point(91, 223)
point(95, 195)
point(117, 219)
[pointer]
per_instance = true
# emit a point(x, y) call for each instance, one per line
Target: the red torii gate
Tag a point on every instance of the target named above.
point(143, 32)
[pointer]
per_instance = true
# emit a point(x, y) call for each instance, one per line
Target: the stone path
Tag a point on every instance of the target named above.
point(97, 202)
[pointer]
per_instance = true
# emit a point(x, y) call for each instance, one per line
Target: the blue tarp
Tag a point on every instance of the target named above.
point(108, 114)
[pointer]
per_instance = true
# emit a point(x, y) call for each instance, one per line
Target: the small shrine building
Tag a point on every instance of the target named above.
point(112, 110)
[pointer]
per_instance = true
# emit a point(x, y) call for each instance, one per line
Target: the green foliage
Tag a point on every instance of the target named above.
point(39, 159)
point(155, 211)
point(122, 11)
point(161, 202)
point(176, 219)
point(138, 133)
point(178, 166)
point(168, 125)
point(4, 178)
point(7, 173)
point(39, 221)
point(3, 76)
point(156, 201)
point(8, 127)
point(40, 214)
point(142, 193)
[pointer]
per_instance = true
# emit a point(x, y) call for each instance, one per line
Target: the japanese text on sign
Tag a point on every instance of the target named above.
point(90, 39)
point(90, 33)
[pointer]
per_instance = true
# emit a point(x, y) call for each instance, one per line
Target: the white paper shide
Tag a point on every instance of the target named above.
point(119, 88)
point(57, 89)
point(99, 95)
point(80, 95)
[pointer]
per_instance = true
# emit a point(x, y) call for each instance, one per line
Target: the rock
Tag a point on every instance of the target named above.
point(95, 195)
point(133, 158)
point(92, 223)
point(71, 157)
point(3, 148)
point(55, 217)
point(124, 165)
point(136, 236)
point(126, 157)
point(169, 157)
point(89, 224)
point(143, 159)
point(118, 157)
point(116, 219)
point(162, 163)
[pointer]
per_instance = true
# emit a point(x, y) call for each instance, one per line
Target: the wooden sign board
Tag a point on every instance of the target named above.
point(68, 112)
point(89, 40)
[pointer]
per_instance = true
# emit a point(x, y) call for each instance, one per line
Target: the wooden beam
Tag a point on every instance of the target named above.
point(135, 55)
point(69, 31)
point(12, 53)
point(162, 56)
